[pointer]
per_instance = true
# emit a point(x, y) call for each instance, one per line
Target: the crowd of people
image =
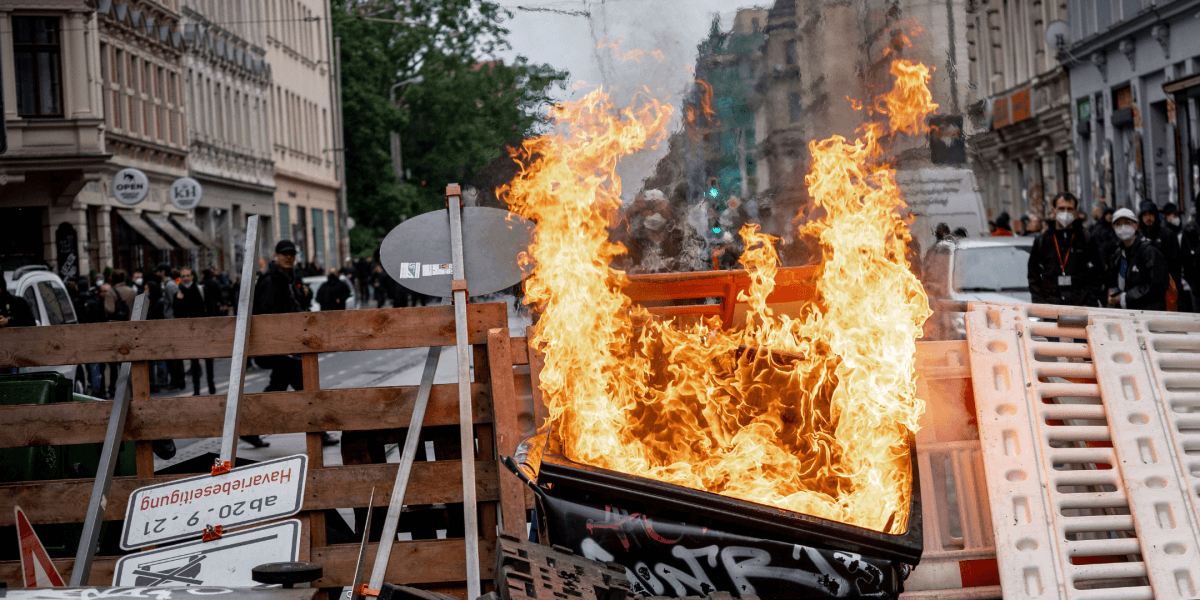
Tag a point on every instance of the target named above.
point(1145, 261)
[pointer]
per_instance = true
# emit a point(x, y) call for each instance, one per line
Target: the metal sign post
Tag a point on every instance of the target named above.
point(466, 424)
point(384, 552)
point(360, 566)
point(90, 537)
point(241, 339)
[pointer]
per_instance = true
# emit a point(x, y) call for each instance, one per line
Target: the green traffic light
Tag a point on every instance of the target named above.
point(713, 192)
point(716, 230)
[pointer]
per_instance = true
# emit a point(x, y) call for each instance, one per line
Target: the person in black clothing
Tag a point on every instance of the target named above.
point(194, 301)
point(14, 311)
point(1064, 263)
point(280, 291)
point(1152, 229)
point(333, 294)
point(1137, 277)
point(1102, 234)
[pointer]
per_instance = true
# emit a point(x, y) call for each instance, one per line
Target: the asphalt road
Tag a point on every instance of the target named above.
point(372, 368)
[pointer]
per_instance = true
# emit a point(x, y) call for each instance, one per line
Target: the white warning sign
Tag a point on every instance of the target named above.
point(226, 561)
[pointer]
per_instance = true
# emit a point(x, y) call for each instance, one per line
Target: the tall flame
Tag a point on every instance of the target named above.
point(810, 413)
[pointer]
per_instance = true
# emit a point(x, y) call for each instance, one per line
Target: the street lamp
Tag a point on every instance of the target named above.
point(397, 157)
point(392, 92)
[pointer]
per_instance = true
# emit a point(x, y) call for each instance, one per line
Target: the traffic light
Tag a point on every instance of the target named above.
point(713, 192)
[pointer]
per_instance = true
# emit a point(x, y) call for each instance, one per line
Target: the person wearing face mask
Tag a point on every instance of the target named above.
point(1137, 275)
point(1064, 264)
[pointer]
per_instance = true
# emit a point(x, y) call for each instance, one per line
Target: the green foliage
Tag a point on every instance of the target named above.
point(452, 123)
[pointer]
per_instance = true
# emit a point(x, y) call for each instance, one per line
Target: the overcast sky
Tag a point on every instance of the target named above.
point(674, 27)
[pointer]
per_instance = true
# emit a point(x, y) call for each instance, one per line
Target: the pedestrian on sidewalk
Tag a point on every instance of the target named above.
point(280, 291)
point(1138, 275)
point(14, 311)
point(192, 302)
point(334, 293)
point(170, 291)
point(1064, 264)
point(118, 306)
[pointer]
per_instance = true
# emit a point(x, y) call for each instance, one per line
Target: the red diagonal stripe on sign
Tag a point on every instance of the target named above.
point(33, 555)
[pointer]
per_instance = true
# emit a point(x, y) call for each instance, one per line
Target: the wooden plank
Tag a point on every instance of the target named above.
point(424, 561)
point(65, 500)
point(508, 432)
point(139, 385)
point(314, 448)
point(536, 361)
point(332, 331)
point(103, 568)
point(520, 350)
point(201, 416)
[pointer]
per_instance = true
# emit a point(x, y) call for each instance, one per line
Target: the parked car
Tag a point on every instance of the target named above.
point(314, 283)
point(990, 269)
point(47, 297)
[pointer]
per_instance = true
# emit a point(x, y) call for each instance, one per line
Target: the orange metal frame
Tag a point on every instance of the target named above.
point(792, 284)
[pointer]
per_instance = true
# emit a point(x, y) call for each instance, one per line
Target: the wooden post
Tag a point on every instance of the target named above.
point(508, 432)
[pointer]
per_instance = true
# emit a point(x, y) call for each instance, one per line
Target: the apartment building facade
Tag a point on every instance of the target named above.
point(236, 94)
point(1023, 148)
point(305, 152)
point(1135, 79)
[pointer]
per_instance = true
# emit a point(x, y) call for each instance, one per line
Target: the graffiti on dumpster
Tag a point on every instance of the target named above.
point(666, 558)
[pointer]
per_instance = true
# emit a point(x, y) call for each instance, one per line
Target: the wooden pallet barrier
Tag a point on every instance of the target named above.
point(435, 564)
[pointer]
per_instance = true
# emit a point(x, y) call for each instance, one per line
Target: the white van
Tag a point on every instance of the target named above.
point(942, 195)
point(47, 297)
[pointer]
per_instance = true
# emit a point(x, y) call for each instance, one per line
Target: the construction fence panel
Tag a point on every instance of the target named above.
point(1085, 455)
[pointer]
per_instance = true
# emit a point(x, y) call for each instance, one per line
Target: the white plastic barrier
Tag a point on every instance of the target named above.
point(1086, 451)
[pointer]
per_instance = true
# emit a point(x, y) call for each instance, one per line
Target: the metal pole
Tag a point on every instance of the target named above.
point(384, 552)
point(360, 566)
point(241, 339)
point(466, 425)
point(108, 462)
point(340, 154)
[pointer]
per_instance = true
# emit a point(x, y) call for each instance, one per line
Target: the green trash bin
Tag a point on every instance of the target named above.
point(42, 463)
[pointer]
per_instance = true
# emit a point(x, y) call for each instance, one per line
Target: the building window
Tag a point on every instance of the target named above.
point(285, 222)
point(37, 54)
point(795, 108)
point(789, 51)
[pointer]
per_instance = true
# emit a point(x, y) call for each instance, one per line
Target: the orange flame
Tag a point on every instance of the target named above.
point(634, 55)
point(811, 412)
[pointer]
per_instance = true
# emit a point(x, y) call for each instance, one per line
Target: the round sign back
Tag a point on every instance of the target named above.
point(130, 186)
point(417, 252)
point(186, 193)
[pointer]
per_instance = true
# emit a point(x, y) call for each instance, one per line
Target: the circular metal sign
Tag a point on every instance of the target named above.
point(186, 193)
point(130, 186)
point(416, 253)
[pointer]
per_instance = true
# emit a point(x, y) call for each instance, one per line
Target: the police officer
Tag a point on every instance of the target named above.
point(1064, 265)
point(1137, 276)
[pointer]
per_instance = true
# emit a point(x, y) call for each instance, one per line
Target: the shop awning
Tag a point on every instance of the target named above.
point(196, 233)
point(1183, 83)
point(164, 225)
point(144, 229)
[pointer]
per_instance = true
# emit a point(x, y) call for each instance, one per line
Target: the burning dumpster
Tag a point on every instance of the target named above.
point(780, 448)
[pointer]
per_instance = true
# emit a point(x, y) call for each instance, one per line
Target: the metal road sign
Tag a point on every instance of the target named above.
point(130, 186)
point(181, 509)
point(161, 593)
point(416, 253)
point(226, 561)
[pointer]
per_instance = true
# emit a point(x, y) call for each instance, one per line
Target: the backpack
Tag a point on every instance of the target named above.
point(120, 309)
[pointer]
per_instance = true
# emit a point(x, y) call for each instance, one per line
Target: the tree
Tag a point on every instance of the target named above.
point(459, 117)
